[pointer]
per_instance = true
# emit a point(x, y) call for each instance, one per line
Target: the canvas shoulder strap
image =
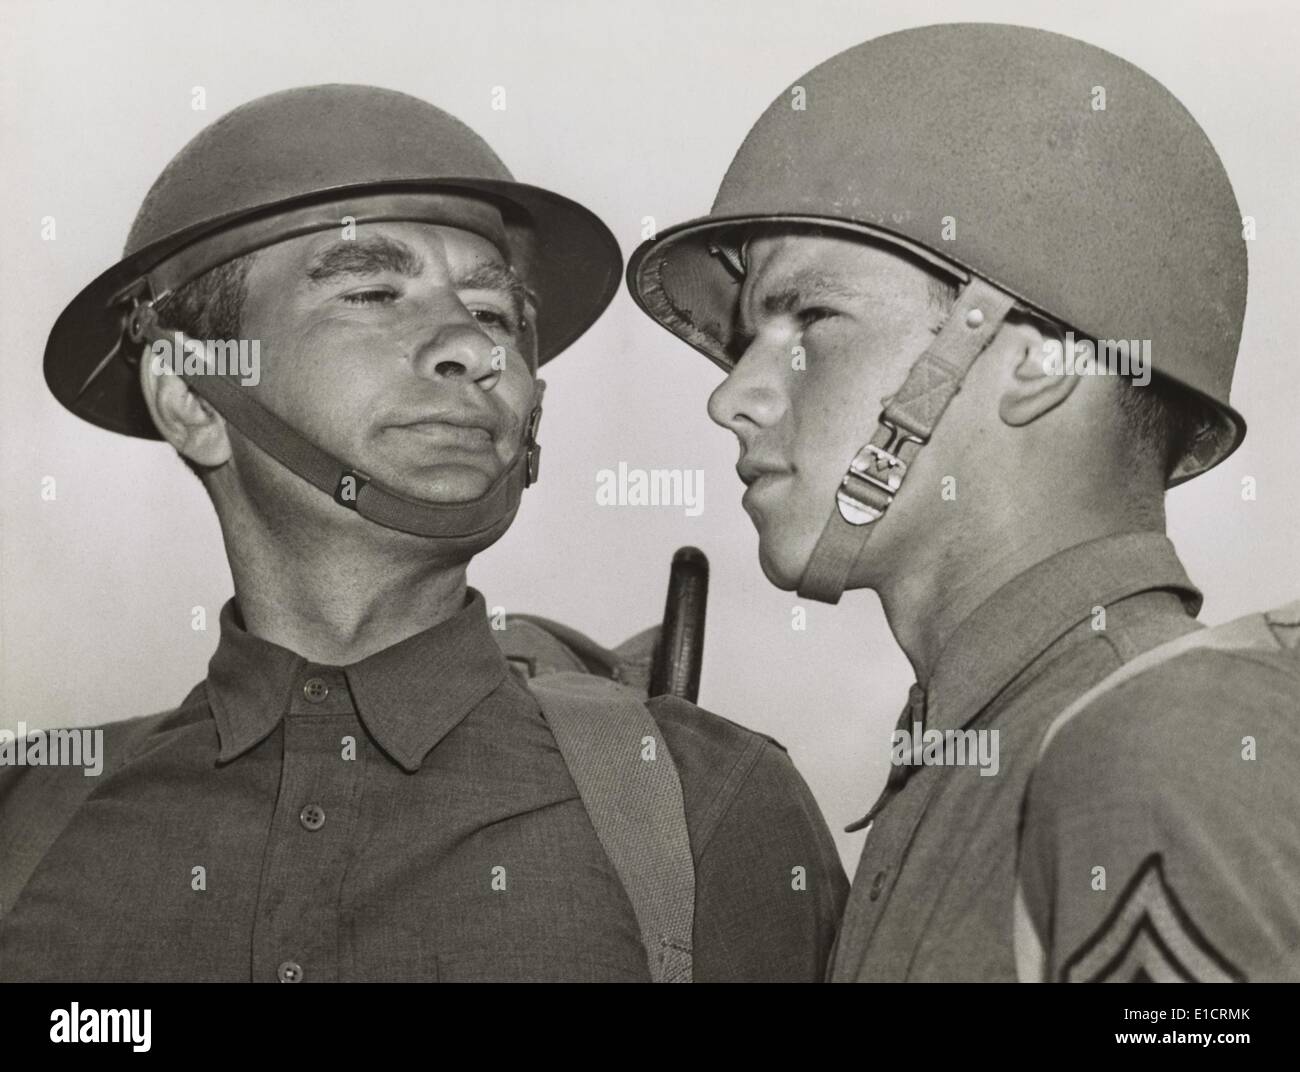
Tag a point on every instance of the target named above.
point(1275, 629)
point(44, 800)
point(628, 782)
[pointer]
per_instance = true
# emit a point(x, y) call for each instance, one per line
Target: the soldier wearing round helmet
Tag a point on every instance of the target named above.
point(978, 290)
point(362, 788)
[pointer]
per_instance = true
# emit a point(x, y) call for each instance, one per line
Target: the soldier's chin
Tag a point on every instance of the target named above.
point(782, 568)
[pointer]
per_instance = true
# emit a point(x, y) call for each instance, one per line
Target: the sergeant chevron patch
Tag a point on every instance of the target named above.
point(1149, 937)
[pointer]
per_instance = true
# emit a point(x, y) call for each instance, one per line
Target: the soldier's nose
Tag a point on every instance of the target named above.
point(459, 351)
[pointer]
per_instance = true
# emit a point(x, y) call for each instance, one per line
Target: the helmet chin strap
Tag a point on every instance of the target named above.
point(478, 522)
point(877, 471)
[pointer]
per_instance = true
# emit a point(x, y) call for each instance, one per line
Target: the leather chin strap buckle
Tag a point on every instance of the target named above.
point(137, 322)
point(875, 476)
point(532, 448)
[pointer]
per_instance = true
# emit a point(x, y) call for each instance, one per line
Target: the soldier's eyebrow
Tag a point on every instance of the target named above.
point(363, 257)
point(489, 275)
point(788, 294)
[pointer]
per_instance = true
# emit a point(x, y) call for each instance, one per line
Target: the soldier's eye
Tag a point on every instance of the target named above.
point(498, 321)
point(740, 341)
point(815, 314)
point(373, 296)
point(494, 319)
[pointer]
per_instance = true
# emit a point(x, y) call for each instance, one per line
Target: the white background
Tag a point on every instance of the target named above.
point(634, 109)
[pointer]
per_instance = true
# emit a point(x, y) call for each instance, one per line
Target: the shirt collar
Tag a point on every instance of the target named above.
point(1026, 616)
point(408, 696)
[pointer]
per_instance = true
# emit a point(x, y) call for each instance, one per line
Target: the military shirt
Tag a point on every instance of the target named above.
point(1159, 835)
point(407, 817)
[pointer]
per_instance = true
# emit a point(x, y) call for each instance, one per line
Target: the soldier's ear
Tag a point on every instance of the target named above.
point(1033, 382)
point(188, 423)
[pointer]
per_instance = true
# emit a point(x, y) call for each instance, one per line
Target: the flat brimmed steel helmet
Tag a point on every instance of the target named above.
point(306, 160)
point(1044, 174)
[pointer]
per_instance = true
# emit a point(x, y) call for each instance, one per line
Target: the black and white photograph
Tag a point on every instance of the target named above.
point(909, 587)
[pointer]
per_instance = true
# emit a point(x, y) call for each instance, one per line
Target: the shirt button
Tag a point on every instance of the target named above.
point(289, 972)
point(315, 690)
point(877, 885)
point(312, 816)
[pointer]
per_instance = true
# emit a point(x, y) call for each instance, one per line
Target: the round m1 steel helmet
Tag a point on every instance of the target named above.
point(305, 160)
point(1043, 172)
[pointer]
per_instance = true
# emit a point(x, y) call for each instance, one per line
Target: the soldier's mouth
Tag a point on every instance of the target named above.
point(445, 434)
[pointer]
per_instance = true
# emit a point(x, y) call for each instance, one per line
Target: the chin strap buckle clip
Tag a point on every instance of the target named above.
point(874, 476)
point(533, 449)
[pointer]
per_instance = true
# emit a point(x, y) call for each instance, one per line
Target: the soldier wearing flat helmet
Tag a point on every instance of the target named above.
point(373, 783)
